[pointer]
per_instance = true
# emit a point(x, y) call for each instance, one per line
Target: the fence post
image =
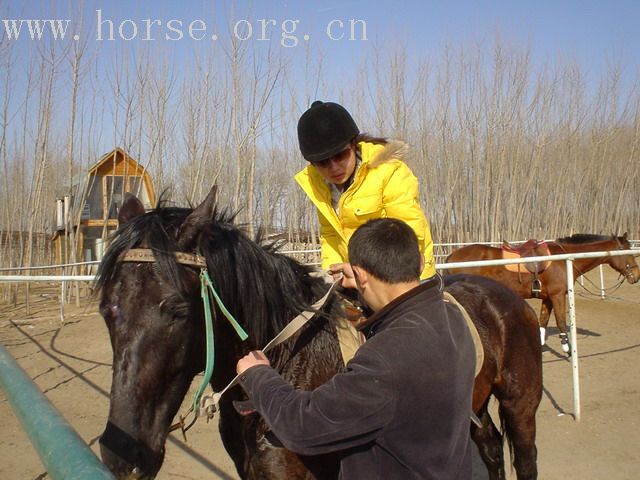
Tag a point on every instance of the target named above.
point(573, 334)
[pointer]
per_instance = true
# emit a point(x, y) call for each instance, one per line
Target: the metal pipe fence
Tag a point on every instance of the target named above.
point(62, 451)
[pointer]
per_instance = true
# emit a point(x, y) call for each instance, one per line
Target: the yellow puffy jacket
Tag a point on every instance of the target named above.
point(384, 186)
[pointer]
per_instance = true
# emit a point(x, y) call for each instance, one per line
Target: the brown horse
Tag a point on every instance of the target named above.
point(154, 315)
point(553, 280)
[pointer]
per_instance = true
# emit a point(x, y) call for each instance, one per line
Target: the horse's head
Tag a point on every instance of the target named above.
point(153, 312)
point(625, 264)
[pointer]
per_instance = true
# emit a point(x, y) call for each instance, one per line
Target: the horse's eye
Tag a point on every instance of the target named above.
point(181, 313)
point(174, 308)
point(109, 311)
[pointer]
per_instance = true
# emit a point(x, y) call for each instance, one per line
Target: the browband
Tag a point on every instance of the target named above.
point(146, 255)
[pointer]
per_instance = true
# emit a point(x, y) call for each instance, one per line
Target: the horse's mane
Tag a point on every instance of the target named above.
point(266, 287)
point(269, 288)
point(584, 238)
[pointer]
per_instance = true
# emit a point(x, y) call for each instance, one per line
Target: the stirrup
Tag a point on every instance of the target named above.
point(536, 287)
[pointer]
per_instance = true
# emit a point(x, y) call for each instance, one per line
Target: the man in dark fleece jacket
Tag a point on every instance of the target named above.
point(401, 410)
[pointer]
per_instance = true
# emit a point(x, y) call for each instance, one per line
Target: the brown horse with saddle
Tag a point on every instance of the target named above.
point(547, 280)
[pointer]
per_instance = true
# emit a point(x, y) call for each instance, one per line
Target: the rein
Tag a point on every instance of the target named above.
point(207, 290)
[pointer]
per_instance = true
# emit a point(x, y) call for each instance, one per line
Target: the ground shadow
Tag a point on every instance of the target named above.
point(580, 331)
point(79, 375)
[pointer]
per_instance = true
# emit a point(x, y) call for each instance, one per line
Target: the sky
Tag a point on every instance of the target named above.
point(595, 34)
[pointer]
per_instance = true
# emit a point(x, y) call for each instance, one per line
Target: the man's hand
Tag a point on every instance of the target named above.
point(344, 271)
point(257, 357)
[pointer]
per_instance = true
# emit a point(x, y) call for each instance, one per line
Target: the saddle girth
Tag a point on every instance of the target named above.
point(531, 248)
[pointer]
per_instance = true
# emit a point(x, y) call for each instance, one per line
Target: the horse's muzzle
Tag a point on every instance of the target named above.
point(632, 274)
point(126, 457)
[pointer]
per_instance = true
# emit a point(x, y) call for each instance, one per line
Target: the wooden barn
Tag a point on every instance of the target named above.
point(100, 194)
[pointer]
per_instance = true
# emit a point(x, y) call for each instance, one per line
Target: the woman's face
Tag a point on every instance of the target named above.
point(339, 168)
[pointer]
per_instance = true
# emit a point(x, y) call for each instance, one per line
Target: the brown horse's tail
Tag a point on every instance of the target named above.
point(446, 271)
point(506, 434)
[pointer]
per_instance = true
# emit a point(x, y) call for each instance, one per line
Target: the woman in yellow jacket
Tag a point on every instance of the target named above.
point(352, 178)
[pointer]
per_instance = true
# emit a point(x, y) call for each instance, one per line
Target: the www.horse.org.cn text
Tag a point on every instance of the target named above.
point(288, 32)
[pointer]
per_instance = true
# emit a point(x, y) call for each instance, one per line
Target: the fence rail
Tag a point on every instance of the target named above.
point(568, 258)
point(64, 454)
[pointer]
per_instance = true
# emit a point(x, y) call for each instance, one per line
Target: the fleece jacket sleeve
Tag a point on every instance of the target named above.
point(345, 412)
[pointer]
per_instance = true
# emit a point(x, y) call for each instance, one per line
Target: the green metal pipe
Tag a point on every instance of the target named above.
point(64, 454)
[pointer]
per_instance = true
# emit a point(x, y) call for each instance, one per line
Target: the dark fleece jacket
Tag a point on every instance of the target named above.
point(400, 411)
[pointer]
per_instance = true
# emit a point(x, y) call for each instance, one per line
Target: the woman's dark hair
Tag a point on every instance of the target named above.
point(386, 248)
point(365, 137)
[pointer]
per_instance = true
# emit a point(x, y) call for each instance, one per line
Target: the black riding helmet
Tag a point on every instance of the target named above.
point(325, 130)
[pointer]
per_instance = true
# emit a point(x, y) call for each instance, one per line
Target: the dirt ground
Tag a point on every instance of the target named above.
point(70, 362)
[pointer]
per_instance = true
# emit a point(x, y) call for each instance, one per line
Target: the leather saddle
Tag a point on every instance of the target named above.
point(531, 248)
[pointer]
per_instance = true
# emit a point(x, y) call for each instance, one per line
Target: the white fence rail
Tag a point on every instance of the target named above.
point(568, 258)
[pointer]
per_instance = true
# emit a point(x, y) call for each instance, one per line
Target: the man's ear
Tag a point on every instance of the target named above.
point(361, 275)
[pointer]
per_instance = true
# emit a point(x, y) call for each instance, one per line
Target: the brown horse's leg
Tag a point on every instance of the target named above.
point(489, 442)
point(559, 308)
point(518, 416)
point(545, 313)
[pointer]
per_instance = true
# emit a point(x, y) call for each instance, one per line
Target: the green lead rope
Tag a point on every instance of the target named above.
point(207, 290)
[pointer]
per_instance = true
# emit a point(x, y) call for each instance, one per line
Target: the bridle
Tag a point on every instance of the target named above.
point(628, 268)
point(628, 271)
point(207, 292)
point(208, 404)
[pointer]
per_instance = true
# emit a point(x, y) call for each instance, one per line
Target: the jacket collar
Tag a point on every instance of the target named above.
point(429, 287)
point(376, 154)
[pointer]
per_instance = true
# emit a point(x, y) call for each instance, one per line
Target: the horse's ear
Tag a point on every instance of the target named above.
point(625, 236)
point(197, 219)
point(130, 209)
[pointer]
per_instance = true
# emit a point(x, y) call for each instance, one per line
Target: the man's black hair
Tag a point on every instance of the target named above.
point(388, 249)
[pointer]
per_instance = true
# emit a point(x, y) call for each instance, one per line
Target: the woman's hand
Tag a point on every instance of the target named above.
point(252, 359)
point(344, 271)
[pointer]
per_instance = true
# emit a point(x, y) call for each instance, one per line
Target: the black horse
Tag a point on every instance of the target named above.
point(154, 315)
